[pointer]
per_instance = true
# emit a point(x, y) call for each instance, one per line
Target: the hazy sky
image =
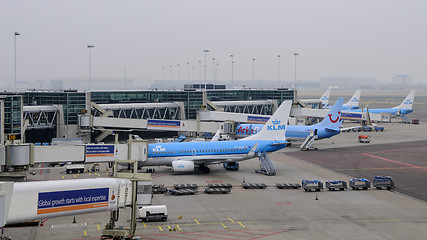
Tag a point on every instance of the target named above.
point(335, 38)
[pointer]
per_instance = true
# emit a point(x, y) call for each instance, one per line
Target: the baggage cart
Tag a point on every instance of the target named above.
point(383, 182)
point(359, 183)
point(309, 185)
point(336, 185)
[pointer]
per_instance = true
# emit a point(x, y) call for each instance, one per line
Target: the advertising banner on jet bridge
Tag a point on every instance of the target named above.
point(164, 124)
point(100, 153)
point(88, 200)
point(257, 119)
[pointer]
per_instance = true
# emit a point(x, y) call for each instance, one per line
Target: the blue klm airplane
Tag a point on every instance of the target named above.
point(404, 108)
point(353, 103)
point(187, 156)
point(328, 127)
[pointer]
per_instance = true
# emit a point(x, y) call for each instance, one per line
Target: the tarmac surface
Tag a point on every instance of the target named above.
point(400, 151)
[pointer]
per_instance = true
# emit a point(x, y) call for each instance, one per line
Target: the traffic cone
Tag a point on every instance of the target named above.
point(317, 197)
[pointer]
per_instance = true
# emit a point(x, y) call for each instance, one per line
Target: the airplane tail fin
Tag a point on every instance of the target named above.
point(333, 119)
point(407, 103)
point(354, 101)
point(325, 97)
point(216, 136)
point(275, 128)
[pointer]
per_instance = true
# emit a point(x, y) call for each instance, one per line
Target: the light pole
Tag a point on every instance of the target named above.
point(16, 34)
point(232, 69)
point(217, 71)
point(200, 71)
point(193, 76)
point(253, 72)
point(205, 51)
point(163, 75)
point(179, 73)
point(213, 64)
point(170, 72)
point(295, 85)
point(90, 65)
point(125, 78)
point(278, 71)
point(188, 66)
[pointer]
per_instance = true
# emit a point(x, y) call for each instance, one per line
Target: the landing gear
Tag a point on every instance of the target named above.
point(205, 169)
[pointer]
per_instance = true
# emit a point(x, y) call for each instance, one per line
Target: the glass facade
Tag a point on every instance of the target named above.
point(192, 99)
point(73, 102)
point(248, 94)
point(12, 114)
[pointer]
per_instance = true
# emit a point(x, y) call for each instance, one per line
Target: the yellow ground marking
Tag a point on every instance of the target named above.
point(160, 228)
point(62, 176)
point(169, 227)
point(178, 228)
point(90, 174)
point(75, 176)
point(99, 228)
point(84, 232)
point(143, 224)
point(196, 221)
point(243, 226)
point(231, 220)
point(223, 225)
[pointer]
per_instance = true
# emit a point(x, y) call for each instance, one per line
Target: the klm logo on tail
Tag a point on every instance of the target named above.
point(324, 98)
point(407, 101)
point(276, 126)
point(354, 100)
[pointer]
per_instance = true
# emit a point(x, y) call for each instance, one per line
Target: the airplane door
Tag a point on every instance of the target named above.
point(315, 132)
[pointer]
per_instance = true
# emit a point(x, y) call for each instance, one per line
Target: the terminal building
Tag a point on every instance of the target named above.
point(40, 116)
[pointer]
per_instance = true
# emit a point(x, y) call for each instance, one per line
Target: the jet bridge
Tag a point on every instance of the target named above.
point(261, 107)
point(41, 117)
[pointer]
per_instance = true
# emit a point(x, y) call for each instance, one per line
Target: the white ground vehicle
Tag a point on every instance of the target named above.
point(153, 213)
point(75, 168)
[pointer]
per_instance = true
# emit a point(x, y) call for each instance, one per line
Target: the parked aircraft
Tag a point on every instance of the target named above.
point(327, 128)
point(353, 103)
point(404, 108)
point(325, 97)
point(187, 156)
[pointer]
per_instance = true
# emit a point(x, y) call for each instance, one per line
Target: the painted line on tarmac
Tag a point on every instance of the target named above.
point(143, 223)
point(386, 168)
point(241, 224)
point(401, 149)
point(161, 230)
point(380, 220)
point(177, 226)
point(196, 221)
point(231, 219)
point(393, 161)
point(223, 225)
point(99, 228)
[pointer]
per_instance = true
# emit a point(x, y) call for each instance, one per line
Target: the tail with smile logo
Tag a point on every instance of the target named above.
point(333, 120)
point(274, 129)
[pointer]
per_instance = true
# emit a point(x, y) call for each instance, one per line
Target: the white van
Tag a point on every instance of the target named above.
point(153, 213)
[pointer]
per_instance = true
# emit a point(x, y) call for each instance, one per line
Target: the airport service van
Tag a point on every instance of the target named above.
point(75, 168)
point(153, 213)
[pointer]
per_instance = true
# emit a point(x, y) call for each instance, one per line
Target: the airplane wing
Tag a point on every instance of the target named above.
point(348, 129)
point(333, 129)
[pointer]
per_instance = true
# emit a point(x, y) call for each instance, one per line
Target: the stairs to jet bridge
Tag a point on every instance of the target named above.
point(266, 167)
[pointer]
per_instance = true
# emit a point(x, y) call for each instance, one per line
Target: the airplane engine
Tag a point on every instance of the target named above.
point(182, 166)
